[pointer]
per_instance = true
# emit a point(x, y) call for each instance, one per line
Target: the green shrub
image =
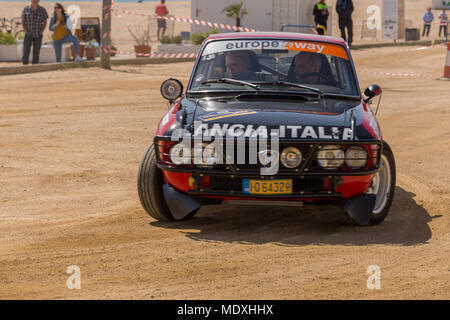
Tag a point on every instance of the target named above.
point(198, 38)
point(6, 38)
point(167, 39)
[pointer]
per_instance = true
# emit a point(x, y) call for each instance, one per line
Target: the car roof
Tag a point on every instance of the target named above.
point(277, 35)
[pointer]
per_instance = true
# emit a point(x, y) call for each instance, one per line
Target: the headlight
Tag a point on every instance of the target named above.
point(180, 154)
point(330, 157)
point(356, 157)
point(291, 157)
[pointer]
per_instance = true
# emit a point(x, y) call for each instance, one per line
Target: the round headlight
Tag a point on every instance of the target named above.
point(171, 89)
point(291, 157)
point(356, 157)
point(330, 157)
point(180, 154)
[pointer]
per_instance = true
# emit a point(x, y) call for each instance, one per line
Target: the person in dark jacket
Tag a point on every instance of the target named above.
point(34, 21)
point(321, 13)
point(344, 8)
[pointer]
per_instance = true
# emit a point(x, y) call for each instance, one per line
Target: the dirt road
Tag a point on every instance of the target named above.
point(71, 142)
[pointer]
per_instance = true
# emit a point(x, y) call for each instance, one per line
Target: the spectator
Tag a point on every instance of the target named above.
point(344, 9)
point(34, 21)
point(321, 13)
point(427, 20)
point(61, 25)
point(443, 22)
point(161, 10)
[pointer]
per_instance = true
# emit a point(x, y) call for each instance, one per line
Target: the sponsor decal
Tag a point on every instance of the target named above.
point(234, 45)
point(323, 48)
point(282, 131)
point(296, 45)
point(227, 114)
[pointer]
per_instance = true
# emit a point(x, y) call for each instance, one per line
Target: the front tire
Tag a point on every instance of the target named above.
point(150, 188)
point(383, 186)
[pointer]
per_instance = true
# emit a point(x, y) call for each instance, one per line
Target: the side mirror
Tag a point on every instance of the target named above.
point(372, 91)
point(171, 89)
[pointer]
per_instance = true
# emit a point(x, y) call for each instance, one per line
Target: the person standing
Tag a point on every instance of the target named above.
point(443, 22)
point(344, 8)
point(321, 13)
point(427, 20)
point(61, 25)
point(34, 21)
point(161, 10)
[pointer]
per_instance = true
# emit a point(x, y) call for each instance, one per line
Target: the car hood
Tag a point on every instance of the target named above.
point(295, 119)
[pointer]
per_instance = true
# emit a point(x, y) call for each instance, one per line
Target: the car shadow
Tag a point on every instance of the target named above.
point(406, 224)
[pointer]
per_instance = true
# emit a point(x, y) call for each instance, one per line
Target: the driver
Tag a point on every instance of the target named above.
point(307, 63)
point(237, 62)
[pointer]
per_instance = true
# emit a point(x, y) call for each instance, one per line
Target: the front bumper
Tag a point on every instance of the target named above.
point(309, 180)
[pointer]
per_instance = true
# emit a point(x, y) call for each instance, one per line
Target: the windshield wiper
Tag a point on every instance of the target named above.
point(291, 84)
point(232, 81)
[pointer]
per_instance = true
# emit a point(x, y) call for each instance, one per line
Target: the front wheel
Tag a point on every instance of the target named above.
point(150, 189)
point(383, 186)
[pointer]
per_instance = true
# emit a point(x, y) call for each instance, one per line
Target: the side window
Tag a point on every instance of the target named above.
point(218, 68)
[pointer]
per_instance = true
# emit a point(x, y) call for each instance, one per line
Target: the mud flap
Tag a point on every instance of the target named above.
point(360, 208)
point(179, 204)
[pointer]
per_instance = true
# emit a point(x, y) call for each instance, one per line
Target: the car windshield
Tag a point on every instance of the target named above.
point(274, 65)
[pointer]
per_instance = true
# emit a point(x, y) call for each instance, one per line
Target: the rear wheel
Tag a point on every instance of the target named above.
point(383, 186)
point(150, 188)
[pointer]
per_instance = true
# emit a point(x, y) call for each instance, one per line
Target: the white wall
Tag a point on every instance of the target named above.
point(259, 16)
point(264, 15)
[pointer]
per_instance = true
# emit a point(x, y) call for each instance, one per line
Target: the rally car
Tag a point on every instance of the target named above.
point(272, 119)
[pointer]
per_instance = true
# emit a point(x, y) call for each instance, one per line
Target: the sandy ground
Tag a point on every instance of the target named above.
point(71, 144)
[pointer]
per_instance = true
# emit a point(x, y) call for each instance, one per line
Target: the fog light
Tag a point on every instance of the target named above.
point(291, 157)
point(356, 157)
point(330, 157)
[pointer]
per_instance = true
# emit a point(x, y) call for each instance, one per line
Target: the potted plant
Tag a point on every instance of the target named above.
point(91, 50)
point(8, 48)
point(92, 44)
point(142, 37)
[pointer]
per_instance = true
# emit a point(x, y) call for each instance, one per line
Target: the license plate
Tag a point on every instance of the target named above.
point(250, 186)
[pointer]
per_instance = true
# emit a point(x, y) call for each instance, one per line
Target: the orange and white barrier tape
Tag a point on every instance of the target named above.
point(186, 20)
point(156, 55)
point(399, 49)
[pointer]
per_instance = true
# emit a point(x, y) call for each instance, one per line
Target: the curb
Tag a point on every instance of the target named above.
point(398, 44)
point(87, 64)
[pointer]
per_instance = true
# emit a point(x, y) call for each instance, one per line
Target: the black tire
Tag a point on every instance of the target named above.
point(379, 217)
point(382, 212)
point(150, 188)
